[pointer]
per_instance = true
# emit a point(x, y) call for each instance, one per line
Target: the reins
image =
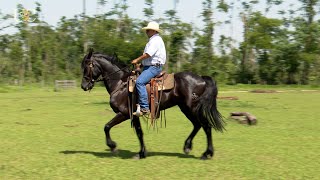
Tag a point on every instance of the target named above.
point(108, 75)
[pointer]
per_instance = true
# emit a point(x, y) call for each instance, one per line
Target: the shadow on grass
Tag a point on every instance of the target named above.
point(125, 154)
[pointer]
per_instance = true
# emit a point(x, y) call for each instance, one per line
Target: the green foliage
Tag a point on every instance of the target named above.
point(148, 12)
point(274, 50)
point(223, 6)
point(262, 31)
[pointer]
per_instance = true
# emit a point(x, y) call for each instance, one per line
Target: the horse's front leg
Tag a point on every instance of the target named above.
point(116, 120)
point(142, 153)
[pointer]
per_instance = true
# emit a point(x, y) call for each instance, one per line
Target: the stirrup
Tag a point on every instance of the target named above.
point(145, 112)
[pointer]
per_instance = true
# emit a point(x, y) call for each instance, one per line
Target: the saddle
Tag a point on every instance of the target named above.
point(155, 87)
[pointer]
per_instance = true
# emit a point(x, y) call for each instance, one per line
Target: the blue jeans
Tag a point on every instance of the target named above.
point(146, 75)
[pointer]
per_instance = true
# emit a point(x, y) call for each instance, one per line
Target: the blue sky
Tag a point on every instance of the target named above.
point(188, 11)
point(53, 10)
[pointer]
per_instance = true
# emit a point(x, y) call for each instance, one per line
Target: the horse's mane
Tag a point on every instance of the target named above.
point(113, 59)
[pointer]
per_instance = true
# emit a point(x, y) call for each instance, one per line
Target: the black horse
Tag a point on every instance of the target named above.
point(195, 95)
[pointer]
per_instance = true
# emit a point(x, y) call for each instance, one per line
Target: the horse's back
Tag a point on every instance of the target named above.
point(190, 82)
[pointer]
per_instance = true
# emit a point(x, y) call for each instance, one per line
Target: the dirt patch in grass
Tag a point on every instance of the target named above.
point(229, 98)
point(263, 91)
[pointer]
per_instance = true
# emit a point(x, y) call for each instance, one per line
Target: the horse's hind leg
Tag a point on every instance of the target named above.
point(116, 120)
point(210, 151)
point(137, 126)
point(196, 126)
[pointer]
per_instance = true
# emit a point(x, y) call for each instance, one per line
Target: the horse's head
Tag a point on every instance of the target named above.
point(91, 71)
point(96, 64)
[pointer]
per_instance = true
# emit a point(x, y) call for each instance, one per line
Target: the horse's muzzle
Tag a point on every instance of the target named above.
point(86, 86)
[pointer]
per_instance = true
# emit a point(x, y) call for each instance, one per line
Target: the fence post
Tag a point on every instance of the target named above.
point(64, 84)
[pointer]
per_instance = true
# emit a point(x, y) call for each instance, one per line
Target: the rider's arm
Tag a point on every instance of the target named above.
point(140, 58)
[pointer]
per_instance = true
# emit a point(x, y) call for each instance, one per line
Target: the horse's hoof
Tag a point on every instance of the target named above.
point(187, 151)
point(114, 151)
point(206, 157)
point(138, 157)
point(112, 145)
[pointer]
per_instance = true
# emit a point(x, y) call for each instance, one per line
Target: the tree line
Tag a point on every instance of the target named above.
point(282, 50)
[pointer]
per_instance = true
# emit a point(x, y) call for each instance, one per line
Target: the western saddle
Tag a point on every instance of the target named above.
point(155, 88)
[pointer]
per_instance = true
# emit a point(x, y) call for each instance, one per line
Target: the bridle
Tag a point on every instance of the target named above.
point(91, 71)
point(89, 79)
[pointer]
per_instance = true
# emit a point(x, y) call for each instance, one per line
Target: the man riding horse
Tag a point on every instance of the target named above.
point(153, 59)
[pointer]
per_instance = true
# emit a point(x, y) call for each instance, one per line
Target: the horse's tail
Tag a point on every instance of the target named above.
point(206, 110)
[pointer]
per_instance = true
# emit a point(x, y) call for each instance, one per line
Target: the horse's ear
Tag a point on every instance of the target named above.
point(115, 56)
point(90, 53)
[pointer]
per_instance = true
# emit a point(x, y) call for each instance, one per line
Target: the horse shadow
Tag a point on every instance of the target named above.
point(126, 154)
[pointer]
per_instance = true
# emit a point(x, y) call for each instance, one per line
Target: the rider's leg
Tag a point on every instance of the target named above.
point(146, 75)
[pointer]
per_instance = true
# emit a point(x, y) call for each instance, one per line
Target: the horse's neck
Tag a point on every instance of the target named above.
point(112, 78)
point(113, 85)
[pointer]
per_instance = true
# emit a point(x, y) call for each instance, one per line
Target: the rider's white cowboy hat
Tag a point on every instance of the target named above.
point(153, 26)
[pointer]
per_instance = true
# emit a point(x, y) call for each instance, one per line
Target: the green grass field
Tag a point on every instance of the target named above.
point(59, 135)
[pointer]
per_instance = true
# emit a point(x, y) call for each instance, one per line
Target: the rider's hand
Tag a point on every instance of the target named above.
point(135, 61)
